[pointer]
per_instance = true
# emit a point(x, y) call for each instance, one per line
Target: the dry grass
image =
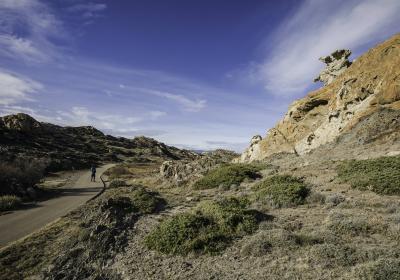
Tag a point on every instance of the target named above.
point(9, 202)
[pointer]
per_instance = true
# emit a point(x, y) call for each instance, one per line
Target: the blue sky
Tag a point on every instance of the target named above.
point(197, 74)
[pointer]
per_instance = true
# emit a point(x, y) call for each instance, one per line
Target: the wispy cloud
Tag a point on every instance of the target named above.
point(80, 115)
point(88, 10)
point(26, 30)
point(14, 109)
point(317, 28)
point(14, 88)
point(189, 105)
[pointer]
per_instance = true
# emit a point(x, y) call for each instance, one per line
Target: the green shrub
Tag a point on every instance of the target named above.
point(381, 175)
point(228, 175)
point(9, 202)
point(20, 175)
point(208, 229)
point(146, 201)
point(282, 191)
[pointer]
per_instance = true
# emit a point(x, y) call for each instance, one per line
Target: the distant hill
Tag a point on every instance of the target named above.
point(357, 110)
point(76, 147)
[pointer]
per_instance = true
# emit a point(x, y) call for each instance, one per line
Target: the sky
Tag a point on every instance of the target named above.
point(197, 74)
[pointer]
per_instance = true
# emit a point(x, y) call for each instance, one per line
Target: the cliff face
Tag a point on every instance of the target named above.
point(369, 86)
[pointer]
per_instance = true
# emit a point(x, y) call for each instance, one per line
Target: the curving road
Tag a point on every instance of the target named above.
point(21, 223)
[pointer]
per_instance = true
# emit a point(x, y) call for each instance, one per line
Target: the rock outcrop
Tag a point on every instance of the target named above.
point(20, 122)
point(336, 64)
point(253, 151)
point(181, 171)
point(370, 86)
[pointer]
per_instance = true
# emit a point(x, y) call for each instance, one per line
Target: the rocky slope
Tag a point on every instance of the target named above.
point(359, 104)
point(179, 172)
point(75, 147)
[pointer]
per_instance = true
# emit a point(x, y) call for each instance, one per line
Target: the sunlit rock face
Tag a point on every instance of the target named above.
point(367, 88)
point(336, 64)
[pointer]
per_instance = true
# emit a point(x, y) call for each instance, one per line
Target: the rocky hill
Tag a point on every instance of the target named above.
point(75, 147)
point(358, 105)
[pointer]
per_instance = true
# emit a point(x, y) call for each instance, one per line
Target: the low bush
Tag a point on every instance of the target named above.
point(227, 175)
point(352, 225)
point(208, 229)
point(330, 255)
point(17, 176)
point(381, 175)
point(282, 191)
point(265, 241)
point(147, 201)
point(9, 202)
point(136, 198)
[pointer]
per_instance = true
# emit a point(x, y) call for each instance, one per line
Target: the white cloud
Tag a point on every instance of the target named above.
point(88, 10)
point(187, 104)
point(26, 29)
point(156, 114)
point(114, 124)
point(80, 115)
point(24, 48)
point(317, 28)
point(14, 88)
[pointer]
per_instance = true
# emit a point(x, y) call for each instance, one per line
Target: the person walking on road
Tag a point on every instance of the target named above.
point(93, 177)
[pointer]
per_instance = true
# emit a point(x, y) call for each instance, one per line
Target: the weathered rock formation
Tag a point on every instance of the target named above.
point(369, 88)
point(336, 64)
point(253, 152)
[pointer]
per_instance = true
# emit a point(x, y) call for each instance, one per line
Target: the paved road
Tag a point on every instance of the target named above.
point(20, 223)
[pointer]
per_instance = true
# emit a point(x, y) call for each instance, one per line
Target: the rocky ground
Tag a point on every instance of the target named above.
point(327, 248)
point(338, 233)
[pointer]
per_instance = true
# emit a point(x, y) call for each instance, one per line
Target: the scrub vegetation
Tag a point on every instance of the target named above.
point(380, 175)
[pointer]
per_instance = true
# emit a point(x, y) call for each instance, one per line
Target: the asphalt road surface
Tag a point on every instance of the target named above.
point(20, 223)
